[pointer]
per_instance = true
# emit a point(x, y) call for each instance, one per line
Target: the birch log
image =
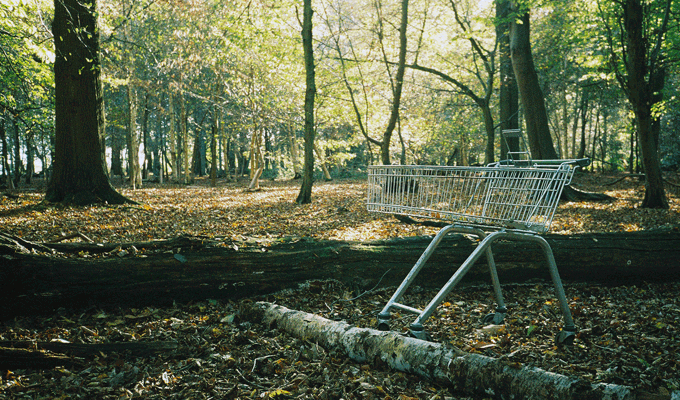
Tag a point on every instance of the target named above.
point(468, 373)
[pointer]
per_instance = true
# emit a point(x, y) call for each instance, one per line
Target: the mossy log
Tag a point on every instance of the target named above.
point(38, 278)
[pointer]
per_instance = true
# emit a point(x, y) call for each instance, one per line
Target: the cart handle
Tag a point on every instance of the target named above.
point(578, 162)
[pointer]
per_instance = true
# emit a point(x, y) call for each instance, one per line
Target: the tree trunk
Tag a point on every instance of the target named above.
point(30, 157)
point(134, 171)
point(256, 159)
point(146, 140)
point(574, 127)
point(198, 160)
point(305, 195)
point(322, 162)
point(184, 130)
point(172, 138)
point(490, 133)
point(535, 114)
point(584, 120)
point(473, 374)
point(116, 150)
point(213, 148)
point(159, 158)
point(5, 156)
point(79, 174)
point(398, 85)
point(645, 85)
point(184, 269)
point(294, 156)
point(18, 164)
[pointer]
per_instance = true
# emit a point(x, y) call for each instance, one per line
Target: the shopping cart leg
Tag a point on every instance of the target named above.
point(384, 316)
point(416, 329)
point(568, 333)
point(565, 336)
point(501, 311)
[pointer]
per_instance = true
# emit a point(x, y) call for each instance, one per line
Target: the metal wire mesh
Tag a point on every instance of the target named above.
point(499, 196)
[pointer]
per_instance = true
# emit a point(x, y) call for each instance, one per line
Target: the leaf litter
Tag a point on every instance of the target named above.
point(627, 335)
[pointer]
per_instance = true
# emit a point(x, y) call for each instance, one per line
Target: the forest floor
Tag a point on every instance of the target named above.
point(628, 335)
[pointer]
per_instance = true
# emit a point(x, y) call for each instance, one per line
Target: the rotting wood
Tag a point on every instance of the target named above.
point(43, 355)
point(469, 373)
point(12, 359)
point(186, 268)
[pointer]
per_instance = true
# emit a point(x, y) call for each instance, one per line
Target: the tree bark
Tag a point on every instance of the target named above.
point(185, 269)
point(294, 156)
point(535, 114)
point(473, 374)
point(30, 157)
point(18, 163)
point(172, 138)
point(79, 174)
point(134, 170)
point(644, 89)
point(322, 162)
point(397, 86)
point(508, 94)
point(188, 176)
point(305, 195)
point(213, 147)
point(5, 157)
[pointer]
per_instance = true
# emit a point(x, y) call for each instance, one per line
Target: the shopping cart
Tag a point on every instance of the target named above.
point(509, 200)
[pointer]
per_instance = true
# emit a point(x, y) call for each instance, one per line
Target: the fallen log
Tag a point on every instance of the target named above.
point(11, 359)
point(80, 275)
point(45, 355)
point(468, 373)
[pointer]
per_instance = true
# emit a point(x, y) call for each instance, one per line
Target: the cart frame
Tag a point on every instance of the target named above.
point(510, 200)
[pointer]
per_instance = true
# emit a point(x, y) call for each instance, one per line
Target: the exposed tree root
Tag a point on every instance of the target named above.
point(571, 194)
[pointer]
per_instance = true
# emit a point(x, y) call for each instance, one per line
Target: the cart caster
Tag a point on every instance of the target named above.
point(383, 322)
point(565, 337)
point(496, 318)
point(418, 331)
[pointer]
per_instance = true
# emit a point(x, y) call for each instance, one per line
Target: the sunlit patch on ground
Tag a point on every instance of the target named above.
point(338, 211)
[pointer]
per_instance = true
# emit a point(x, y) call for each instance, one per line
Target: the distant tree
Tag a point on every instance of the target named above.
point(397, 83)
point(535, 114)
point(508, 96)
point(305, 195)
point(637, 31)
point(79, 175)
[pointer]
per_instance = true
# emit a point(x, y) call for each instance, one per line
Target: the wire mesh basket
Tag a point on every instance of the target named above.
point(496, 196)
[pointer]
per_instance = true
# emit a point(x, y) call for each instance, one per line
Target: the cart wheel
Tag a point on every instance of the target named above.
point(383, 326)
point(565, 338)
point(496, 318)
point(418, 331)
point(422, 335)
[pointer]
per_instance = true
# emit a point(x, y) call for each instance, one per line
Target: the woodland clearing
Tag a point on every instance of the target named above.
point(628, 335)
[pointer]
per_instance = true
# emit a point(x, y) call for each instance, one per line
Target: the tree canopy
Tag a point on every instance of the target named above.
point(180, 75)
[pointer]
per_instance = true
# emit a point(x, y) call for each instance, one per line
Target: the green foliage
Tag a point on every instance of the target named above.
point(241, 62)
point(26, 81)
